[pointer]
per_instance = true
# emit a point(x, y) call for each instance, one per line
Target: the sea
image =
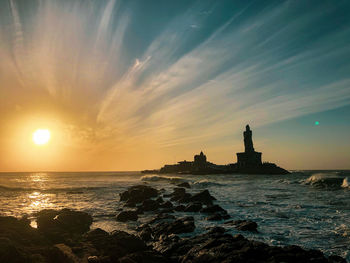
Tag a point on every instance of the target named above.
point(306, 208)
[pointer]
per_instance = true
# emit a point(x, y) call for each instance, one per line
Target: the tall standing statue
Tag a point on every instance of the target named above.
point(248, 142)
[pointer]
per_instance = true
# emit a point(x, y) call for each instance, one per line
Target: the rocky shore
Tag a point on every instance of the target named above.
point(65, 235)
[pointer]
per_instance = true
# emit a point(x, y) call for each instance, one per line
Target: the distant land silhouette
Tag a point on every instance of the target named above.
point(248, 162)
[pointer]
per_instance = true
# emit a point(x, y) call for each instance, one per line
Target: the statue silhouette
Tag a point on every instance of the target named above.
point(248, 142)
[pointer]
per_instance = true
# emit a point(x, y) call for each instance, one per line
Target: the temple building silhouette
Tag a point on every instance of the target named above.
point(248, 162)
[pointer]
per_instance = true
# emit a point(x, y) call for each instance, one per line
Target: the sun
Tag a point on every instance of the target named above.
point(41, 136)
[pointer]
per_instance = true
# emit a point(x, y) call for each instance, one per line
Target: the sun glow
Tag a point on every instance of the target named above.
point(41, 136)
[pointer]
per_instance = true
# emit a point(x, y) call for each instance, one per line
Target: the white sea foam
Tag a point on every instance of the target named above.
point(155, 178)
point(327, 180)
point(345, 183)
point(206, 183)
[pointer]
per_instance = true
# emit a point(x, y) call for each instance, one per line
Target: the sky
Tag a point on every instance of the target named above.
point(131, 85)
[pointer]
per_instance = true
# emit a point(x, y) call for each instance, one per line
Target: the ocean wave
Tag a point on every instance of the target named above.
point(326, 180)
point(206, 183)
point(155, 178)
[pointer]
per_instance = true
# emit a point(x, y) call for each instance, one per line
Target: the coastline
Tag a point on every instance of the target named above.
point(65, 235)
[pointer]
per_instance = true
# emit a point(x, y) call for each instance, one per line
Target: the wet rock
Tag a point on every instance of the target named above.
point(186, 198)
point(167, 204)
point(215, 217)
point(117, 245)
point(138, 194)
point(63, 221)
point(9, 252)
point(96, 234)
point(165, 243)
point(161, 217)
point(336, 259)
point(193, 207)
point(181, 225)
point(179, 208)
point(67, 253)
point(216, 246)
point(178, 194)
point(144, 257)
point(213, 209)
point(185, 185)
point(244, 225)
point(160, 200)
point(127, 216)
point(130, 242)
point(146, 233)
point(150, 205)
point(203, 197)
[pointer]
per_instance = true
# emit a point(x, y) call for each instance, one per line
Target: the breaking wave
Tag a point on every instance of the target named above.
point(345, 183)
point(156, 178)
point(205, 183)
point(327, 180)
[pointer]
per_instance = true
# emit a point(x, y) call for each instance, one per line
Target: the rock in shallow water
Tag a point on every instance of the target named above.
point(181, 225)
point(138, 194)
point(125, 216)
point(244, 225)
point(193, 207)
point(58, 225)
point(213, 209)
point(203, 197)
point(149, 205)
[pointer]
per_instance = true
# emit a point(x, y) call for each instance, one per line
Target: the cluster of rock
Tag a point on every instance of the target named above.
point(65, 235)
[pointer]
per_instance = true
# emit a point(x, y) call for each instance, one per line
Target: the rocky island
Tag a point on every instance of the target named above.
point(248, 162)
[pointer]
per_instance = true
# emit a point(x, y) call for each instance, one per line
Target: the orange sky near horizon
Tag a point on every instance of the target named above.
point(132, 86)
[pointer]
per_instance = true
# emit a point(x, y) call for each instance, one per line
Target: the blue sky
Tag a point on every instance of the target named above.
point(122, 79)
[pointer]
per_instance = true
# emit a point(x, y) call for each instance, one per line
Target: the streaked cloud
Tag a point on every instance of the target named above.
point(200, 75)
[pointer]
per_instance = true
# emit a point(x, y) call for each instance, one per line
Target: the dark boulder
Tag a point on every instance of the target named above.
point(213, 209)
point(203, 197)
point(149, 205)
point(96, 234)
point(181, 225)
point(160, 200)
point(178, 193)
point(117, 245)
point(186, 198)
point(63, 221)
point(127, 216)
point(138, 194)
point(214, 217)
point(216, 246)
point(161, 217)
point(179, 208)
point(10, 253)
point(193, 207)
point(166, 204)
point(146, 233)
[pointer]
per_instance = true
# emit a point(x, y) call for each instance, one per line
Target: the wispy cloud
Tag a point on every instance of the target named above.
point(187, 85)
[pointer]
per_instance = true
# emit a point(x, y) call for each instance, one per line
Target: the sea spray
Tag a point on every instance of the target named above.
point(155, 178)
point(345, 183)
